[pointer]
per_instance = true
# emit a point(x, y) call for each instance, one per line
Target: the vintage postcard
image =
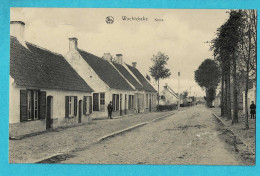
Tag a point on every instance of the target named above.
point(132, 86)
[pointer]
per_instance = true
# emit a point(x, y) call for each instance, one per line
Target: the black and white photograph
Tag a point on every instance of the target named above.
point(132, 86)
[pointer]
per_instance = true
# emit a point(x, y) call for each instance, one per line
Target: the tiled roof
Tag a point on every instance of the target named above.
point(146, 85)
point(41, 68)
point(105, 71)
point(128, 76)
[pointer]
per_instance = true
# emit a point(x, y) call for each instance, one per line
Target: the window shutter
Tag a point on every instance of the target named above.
point(90, 104)
point(67, 106)
point(23, 105)
point(75, 105)
point(42, 105)
point(84, 105)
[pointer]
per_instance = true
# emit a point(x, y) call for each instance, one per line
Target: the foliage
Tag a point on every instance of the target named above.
point(158, 69)
point(235, 45)
point(208, 77)
point(208, 74)
point(184, 94)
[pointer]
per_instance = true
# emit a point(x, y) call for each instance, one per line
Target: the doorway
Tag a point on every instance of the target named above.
point(150, 104)
point(49, 112)
point(80, 111)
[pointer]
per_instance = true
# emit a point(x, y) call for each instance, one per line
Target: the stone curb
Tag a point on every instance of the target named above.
point(248, 147)
point(132, 127)
point(122, 131)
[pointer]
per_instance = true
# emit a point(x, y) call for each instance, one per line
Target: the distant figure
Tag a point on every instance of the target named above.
point(109, 110)
point(252, 110)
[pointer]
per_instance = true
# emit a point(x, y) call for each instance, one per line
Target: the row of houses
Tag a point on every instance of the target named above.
point(48, 90)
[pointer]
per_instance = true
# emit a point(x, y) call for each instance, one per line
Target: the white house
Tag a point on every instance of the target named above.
point(146, 100)
point(105, 79)
point(112, 80)
point(45, 91)
point(168, 96)
point(251, 96)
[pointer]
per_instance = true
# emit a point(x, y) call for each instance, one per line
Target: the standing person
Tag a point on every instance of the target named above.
point(109, 110)
point(252, 110)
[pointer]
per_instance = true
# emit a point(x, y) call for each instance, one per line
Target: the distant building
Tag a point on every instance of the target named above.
point(251, 96)
point(168, 96)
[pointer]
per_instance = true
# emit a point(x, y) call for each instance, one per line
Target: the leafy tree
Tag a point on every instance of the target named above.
point(184, 94)
point(208, 77)
point(226, 48)
point(158, 70)
point(247, 51)
point(235, 50)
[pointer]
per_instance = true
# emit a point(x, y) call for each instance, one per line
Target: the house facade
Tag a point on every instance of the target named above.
point(48, 90)
point(145, 101)
point(45, 91)
point(107, 81)
point(168, 96)
point(251, 96)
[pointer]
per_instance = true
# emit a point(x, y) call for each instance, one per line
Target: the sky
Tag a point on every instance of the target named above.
point(179, 33)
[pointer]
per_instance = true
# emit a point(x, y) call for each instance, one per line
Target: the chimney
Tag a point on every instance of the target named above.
point(73, 44)
point(119, 58)
point(107, 56)
point(166, 86)
point(134, 64)
point(17, 30)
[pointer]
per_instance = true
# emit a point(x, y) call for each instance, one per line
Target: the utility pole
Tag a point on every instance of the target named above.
point(179, 97)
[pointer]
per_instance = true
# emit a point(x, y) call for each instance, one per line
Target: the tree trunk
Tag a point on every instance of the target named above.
point(158, 95)
point(235, 103)
point(222, 92)
point(228, 95)
point(247, 77)
point(225, 96)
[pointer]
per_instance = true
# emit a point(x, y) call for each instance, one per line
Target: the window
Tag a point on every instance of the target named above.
point(71, 106)
point(162, 97)
point(35, 105)
point(102, 101)
point(32, 105)
point(29, 103)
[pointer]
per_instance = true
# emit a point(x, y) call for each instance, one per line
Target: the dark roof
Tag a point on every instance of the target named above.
point(128, 76)
point(41, 68)
point(105, 71)
point(146, 85)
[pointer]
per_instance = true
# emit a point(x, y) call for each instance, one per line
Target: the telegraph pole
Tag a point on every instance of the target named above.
point(179, 97)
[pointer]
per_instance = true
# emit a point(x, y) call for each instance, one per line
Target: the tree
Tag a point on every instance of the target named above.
point(225, 47)
point(208, 76)
point(158, 70)
point(184, 94)
point(247, 48)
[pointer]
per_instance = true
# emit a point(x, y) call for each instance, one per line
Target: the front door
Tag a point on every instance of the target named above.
point(49, 113)
point(80, 110)
point(150, 104)
point(120, 106)
point(125, 104)
point(95, 102)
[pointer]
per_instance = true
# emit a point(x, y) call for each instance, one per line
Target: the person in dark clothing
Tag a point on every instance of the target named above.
point(252, 110)
point(109, 110)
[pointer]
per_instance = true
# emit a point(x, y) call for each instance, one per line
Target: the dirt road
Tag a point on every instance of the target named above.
point(192, 136)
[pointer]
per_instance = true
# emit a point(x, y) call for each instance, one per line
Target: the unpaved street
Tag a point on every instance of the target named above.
point(192, 136)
